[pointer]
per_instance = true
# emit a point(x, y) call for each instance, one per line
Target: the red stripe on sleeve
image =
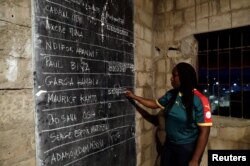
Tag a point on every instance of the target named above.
point(206, 107)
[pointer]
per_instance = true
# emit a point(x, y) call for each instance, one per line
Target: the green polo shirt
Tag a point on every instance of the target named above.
point(176, 119)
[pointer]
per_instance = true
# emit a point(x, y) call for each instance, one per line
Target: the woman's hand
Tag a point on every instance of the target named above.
point(129, 93)
point(146, 102)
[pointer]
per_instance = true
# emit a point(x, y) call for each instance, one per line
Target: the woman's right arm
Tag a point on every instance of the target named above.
point(146, 102)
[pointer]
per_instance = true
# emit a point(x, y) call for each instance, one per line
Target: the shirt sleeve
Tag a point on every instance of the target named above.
point(203, 114)
point(163, 101)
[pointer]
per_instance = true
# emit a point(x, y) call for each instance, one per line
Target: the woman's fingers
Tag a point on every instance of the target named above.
point(128, 93)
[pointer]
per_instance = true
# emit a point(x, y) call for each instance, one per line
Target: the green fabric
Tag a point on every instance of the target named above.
point(177, 128)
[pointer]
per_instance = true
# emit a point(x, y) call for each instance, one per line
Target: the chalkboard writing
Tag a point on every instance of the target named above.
point(83, 62)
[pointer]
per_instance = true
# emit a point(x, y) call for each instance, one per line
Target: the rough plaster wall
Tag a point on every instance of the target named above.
point(143, 22)
point(17, 143)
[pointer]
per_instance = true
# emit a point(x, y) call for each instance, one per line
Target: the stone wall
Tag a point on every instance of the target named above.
point(17, 142)
point(144, 67)
point(163, 37)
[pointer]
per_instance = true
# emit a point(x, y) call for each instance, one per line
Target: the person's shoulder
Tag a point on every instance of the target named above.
point(198, 94)
point(170, 93)
point(199, 97)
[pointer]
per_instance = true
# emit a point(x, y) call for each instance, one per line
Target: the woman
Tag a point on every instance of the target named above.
point(187, 118)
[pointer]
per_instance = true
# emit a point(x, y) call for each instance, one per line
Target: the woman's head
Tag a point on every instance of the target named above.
point(184, 77)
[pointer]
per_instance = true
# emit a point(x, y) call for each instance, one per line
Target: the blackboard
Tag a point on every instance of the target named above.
point(83, 61)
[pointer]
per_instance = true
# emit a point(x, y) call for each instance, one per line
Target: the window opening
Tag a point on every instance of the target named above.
point(224, 71)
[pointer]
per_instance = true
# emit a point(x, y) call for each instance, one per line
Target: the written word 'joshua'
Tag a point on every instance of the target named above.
point(57, 119)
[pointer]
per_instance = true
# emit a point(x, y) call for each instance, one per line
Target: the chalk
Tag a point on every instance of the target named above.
point(41, 92)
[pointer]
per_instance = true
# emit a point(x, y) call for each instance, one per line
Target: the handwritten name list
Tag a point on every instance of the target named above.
point(83, 63)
